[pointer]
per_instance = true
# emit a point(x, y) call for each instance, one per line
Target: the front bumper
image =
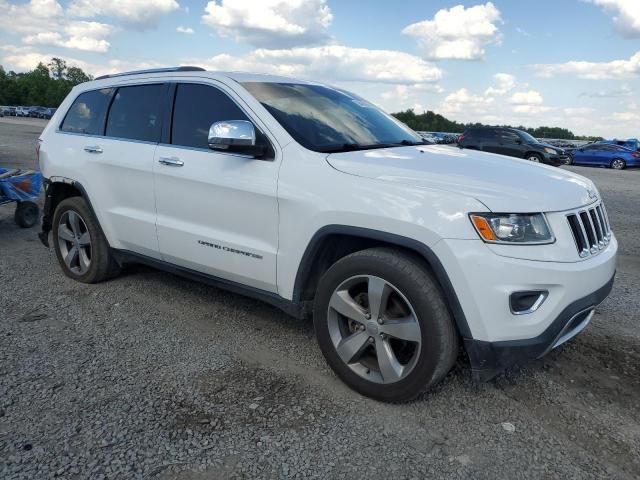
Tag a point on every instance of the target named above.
point(484, 280)
point(556, 160)
point(490, 358)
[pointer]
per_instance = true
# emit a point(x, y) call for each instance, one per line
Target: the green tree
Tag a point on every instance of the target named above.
point(58, 68)
point(45, 85)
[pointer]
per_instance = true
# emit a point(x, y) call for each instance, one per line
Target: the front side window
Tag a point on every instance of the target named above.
point(196, 107)
point(135, 113)
point(325, 119)
point(87, 112)
point(527, 137)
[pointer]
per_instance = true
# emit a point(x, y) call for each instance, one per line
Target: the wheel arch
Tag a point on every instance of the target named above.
point(333, 242)
point(533, 152)
point(56, 190)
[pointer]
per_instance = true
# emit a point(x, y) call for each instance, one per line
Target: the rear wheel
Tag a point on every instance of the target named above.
point(383, 325)
point(27, 214)
point(81, 249)
point(618, 164)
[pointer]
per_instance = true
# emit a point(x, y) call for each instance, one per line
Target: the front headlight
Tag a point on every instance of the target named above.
point(512, 228)
point(550, 150)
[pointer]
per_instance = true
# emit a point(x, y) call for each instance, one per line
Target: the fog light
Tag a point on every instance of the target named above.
point(527, 301)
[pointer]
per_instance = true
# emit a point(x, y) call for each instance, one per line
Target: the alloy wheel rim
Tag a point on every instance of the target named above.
point(617, 164)
point(374, 329)
point(534, 159)
point(74, 242)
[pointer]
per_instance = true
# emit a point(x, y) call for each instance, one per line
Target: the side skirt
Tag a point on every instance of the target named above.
point(297, 310)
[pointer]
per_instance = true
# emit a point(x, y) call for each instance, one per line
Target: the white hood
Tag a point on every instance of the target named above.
point(503, 184)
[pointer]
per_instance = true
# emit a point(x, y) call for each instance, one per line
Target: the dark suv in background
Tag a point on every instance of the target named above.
point(512, 142)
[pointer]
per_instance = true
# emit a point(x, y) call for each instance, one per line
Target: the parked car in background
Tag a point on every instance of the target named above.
point(36, 112)
point(513, 143)
point(22, 111)
point(48, 113)
point(1, 112)
point(429, 137)
point(631, 143)
point(402, 252)
point(605, 155)
point(564, 144)
point(11, 111)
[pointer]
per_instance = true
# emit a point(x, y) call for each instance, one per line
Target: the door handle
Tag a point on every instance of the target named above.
point(171, 161)
point(93, 149)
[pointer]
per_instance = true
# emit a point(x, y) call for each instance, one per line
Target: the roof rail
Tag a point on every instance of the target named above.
point(153, 70)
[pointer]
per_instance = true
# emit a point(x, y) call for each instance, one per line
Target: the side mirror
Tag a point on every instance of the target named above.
point(234, 136)
point(519, 142)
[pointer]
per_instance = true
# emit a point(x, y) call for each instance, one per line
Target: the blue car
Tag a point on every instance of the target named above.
point(632, 143)
point(605, 155)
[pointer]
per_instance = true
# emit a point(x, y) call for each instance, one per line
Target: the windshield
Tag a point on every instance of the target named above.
point(325, 119)
point(526, 137)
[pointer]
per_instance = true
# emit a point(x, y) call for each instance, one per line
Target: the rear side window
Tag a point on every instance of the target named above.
point(135, 113)
point(87, 112)
point(196, 107)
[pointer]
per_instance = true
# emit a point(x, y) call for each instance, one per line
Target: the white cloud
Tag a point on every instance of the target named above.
point(593, 70)
point(87, 36)
point(270, 23)
point(463, 100)
point(530, 97)
point(623, 91)
point(626, 15)
point(138, 13)
point(186, 30)
point(332, 63)
point(626, 117)
point(504, 83)
point(43, 22)
point(458, 33)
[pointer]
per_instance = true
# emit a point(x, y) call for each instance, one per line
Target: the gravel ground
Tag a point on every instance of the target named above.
point(154, 376)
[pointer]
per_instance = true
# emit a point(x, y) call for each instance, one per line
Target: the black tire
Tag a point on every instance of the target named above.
point(102, 264)
point(439, 339)
point(27, 214)
point(569, 160)
point(531, 156)
point(618, 164)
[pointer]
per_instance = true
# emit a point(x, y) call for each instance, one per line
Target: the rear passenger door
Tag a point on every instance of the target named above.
point(489, 140)
point(217, 211)
point(117, 130)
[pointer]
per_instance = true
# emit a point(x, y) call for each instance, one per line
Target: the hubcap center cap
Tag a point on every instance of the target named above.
point(372, 328)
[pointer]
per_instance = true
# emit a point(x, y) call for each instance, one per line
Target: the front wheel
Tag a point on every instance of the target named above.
point(534, 157)
point(618, 164)
point(383, 325)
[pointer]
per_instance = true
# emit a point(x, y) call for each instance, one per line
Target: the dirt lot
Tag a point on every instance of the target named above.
point(154, 376)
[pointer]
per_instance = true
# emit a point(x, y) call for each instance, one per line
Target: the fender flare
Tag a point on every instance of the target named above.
point(420, 248)
point(49, 209)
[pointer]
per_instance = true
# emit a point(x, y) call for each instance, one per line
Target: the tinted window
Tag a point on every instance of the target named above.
point(327, 119)
point(507, 136)
point(196, 107)
point(135, 113)
point(87, 112)
point(486, 134)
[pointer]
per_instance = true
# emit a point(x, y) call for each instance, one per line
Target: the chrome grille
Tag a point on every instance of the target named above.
point(590, 228)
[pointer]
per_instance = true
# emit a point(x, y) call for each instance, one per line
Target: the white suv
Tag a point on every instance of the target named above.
point(313, 199)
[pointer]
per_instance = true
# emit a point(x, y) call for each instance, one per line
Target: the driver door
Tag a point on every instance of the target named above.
point(217, 212)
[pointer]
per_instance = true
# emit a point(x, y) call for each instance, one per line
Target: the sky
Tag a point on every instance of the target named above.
point(567, 63)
